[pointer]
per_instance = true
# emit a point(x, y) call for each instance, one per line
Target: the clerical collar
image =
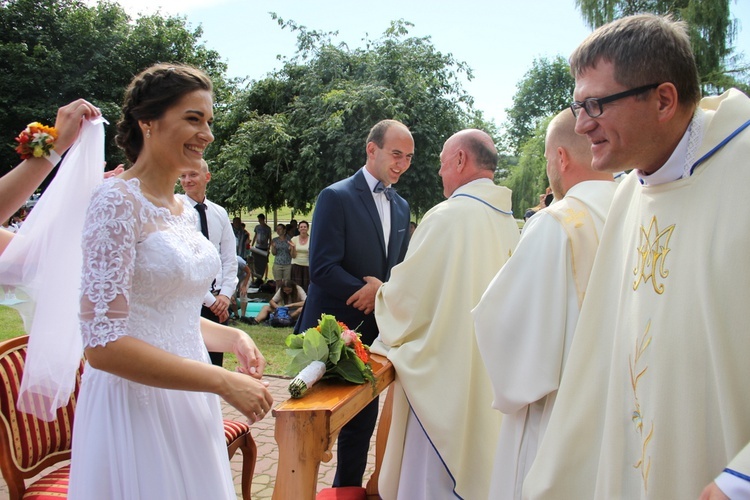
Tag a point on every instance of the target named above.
point(682, 158)
point(460, 191)
point(482, 180)
point(371, 181)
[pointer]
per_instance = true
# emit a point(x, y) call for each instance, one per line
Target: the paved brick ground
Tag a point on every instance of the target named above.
point(265, 468)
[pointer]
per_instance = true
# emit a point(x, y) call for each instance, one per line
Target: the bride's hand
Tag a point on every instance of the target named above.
point(248, 395)
point(250, 359)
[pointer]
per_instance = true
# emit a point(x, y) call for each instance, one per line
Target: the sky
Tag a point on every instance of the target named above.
point(498, 39)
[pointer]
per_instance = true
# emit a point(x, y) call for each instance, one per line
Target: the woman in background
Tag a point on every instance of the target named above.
point(285, 306)
point(282, 251)
point(300, 248)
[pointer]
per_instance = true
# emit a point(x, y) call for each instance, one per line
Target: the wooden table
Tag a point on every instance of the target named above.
point(306, 428)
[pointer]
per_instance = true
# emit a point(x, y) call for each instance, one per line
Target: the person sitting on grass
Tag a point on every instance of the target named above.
point(284, 308)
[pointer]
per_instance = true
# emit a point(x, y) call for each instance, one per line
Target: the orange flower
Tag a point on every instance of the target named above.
point(361, 351)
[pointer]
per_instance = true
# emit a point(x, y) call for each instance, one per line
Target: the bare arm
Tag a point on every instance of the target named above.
point(220, 338)
point(245, 281)
point(5, 237)
point(21, 182)
point(141, 362)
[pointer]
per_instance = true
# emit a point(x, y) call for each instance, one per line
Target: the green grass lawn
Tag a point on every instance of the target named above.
point(269, 340)
point(10, 323)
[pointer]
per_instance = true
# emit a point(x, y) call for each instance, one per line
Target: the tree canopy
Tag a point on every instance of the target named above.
point(544, 90)
point(303, 127)
point(528, 178)
point(55, 51)
point(712, 33)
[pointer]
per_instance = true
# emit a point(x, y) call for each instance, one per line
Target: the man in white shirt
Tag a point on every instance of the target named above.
point(526, 318)
point(213, 222)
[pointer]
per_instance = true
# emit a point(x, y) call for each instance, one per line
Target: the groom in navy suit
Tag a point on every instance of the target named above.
point(360, 230)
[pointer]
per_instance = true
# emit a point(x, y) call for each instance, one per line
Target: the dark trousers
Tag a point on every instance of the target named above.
point(217, 358)
point(353, 446)
point(260, 263)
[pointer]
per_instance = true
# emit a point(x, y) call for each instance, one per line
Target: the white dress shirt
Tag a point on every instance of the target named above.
point(221, 235)
point(382, 204)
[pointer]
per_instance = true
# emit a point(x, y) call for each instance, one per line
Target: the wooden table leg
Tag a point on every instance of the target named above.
point(303, 440)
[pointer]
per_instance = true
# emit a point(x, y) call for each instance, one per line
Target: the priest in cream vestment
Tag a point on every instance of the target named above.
point(444, 431)
point(654, 400)
point(526, 318)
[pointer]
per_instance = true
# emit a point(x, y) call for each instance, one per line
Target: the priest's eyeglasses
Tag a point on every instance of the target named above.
point(594, 106)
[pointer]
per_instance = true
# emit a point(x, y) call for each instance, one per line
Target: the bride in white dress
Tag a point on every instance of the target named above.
point(148, 422)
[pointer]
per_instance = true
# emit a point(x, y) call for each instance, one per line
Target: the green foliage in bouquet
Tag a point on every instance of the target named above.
point(333, 345)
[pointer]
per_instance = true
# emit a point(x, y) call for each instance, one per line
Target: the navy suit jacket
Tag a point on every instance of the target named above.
point(347, 244)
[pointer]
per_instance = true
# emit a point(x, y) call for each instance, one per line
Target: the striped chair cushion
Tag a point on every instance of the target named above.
point(234, 429)
point(34, 439)
point(52, 486)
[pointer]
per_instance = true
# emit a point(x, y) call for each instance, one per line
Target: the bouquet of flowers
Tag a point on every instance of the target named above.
point(330, 350)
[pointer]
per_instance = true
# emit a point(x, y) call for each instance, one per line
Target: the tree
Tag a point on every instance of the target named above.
point(528, 178)
point(55, 51)
point(712, 33)
point(546, 89)
point(318, 109)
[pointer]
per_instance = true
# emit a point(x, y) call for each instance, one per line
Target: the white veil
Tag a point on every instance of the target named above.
point(43, 261)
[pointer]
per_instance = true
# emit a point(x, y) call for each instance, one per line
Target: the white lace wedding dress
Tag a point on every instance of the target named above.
point(145, 274)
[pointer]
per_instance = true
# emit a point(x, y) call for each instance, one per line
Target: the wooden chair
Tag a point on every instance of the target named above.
point(238, 436)
point(29, 445)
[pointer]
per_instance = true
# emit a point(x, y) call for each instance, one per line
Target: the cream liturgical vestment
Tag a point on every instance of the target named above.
point(526, 320)
point(424, 316)
point(654, 398)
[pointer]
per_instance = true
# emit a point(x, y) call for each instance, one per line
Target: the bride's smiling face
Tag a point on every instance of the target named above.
point(180, 137)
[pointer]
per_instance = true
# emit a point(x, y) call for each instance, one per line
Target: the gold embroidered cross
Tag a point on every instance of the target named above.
point(574, 216)
point(652, 253)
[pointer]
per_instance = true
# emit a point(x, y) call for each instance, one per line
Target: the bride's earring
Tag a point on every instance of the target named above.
point(148, 134)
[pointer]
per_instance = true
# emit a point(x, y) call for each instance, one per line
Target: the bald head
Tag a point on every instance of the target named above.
point(568, 155)
point(467, 155)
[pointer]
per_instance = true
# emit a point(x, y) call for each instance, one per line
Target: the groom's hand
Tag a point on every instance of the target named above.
point(364, 298)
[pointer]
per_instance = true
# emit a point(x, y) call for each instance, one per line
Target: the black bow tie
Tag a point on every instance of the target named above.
point(387, 191)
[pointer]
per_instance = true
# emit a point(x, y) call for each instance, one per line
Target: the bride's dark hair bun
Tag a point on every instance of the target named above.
point(151, 93)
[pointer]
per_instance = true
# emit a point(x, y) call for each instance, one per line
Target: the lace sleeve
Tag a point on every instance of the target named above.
point(109, 239)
